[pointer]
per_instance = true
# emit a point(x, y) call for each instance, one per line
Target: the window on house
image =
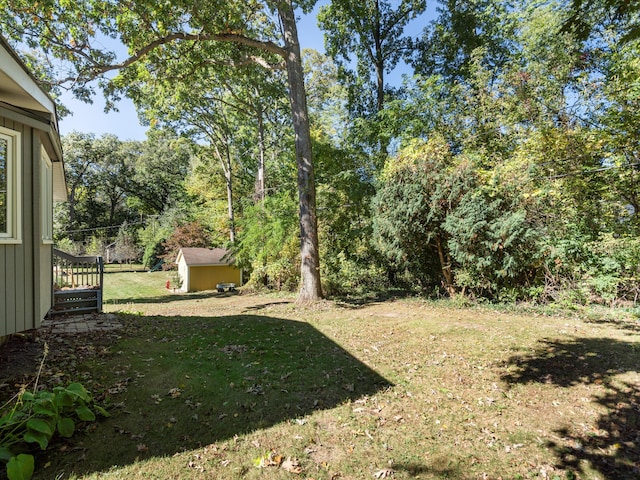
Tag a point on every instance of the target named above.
point(9, 186)
point(46, 194)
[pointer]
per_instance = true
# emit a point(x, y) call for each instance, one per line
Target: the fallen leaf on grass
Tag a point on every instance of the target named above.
point(231, 349)
point(174, 392)
point(142, 447)
point(210, 449)
point(121, 430)
point(510, 448)
point(255, 389)
point(119, 387)
point(270, 460)
point(195, 466)
point(384, 473)
point(291, 465)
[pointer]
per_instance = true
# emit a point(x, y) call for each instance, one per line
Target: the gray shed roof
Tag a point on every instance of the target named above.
point(205, 256)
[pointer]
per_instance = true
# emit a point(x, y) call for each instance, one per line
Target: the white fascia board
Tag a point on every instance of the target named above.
point(20, 86)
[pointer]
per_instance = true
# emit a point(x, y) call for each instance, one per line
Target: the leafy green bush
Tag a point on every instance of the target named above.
point(269, 244)
point(417, 190)
point(35, 417)
point(69, 246)
point(493, 245)
point(605, 270)
point(613, 269)
point(437, 217)
point(342, 274)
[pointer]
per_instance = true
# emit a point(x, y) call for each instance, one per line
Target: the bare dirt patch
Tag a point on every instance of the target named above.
point(18, 359)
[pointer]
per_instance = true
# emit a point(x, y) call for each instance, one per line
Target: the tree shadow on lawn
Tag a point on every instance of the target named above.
point(632, 327)
point(613, 446)
point(179, 383)
point(172, 297)
point(372, 298)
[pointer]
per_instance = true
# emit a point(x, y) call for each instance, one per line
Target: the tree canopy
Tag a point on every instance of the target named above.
point(159, 34)
point(504, 167)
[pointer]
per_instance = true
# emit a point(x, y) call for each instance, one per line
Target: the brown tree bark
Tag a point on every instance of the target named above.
point(260, 193)
point(446, 267)
point(310, 288)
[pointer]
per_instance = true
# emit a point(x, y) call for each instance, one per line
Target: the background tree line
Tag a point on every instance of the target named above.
point(504, 167)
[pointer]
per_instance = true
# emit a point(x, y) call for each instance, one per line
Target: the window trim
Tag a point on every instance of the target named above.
point(13, 235)
point(46, 197)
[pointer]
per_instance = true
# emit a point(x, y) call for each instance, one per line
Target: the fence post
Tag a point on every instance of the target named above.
point(101, 275)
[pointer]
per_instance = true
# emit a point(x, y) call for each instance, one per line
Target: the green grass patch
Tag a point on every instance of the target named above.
point(122, 288)
point(190, 382)
point(124, 267)
point(246, 386)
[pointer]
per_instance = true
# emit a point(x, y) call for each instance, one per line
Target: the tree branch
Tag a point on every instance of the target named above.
point(97, 69)
point(250, 60)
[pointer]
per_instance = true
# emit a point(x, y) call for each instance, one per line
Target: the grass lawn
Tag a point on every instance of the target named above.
point(124, 267)
point(123, 290)
point(226, 386)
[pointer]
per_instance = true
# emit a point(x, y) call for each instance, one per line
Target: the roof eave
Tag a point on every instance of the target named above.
point(21, 86)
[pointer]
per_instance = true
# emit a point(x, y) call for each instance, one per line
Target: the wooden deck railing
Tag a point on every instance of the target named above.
point(79, 274)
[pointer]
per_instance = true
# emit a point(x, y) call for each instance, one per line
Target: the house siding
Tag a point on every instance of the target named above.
point(22, 283)
point(43, 276)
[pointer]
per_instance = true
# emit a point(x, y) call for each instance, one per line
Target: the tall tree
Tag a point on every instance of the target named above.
point(372, 31)
point(99, 173)
point(151, 30)
point(586, 17)
point(218, 106)
point(370, 35)
point(618, 106)
point(327, 96)
point(161, 166)
point(79, 159)
point(113, 175)
point(448, 44)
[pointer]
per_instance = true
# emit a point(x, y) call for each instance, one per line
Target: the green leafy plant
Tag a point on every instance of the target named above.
point(35, 417)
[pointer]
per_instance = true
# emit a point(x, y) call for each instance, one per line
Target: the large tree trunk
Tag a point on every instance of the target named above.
point(260, 181)
point(229, 181)
point(310, 288)
point(378, 61)
point(445, 267)
point(225, 163)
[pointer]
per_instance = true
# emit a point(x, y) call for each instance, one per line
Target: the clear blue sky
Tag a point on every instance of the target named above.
point(90, 118)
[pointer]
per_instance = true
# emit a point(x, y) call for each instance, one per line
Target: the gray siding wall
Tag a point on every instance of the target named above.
point(43, 267)
point(25, 268)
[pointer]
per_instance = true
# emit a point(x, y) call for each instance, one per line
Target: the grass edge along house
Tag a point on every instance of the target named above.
point(31, 179)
